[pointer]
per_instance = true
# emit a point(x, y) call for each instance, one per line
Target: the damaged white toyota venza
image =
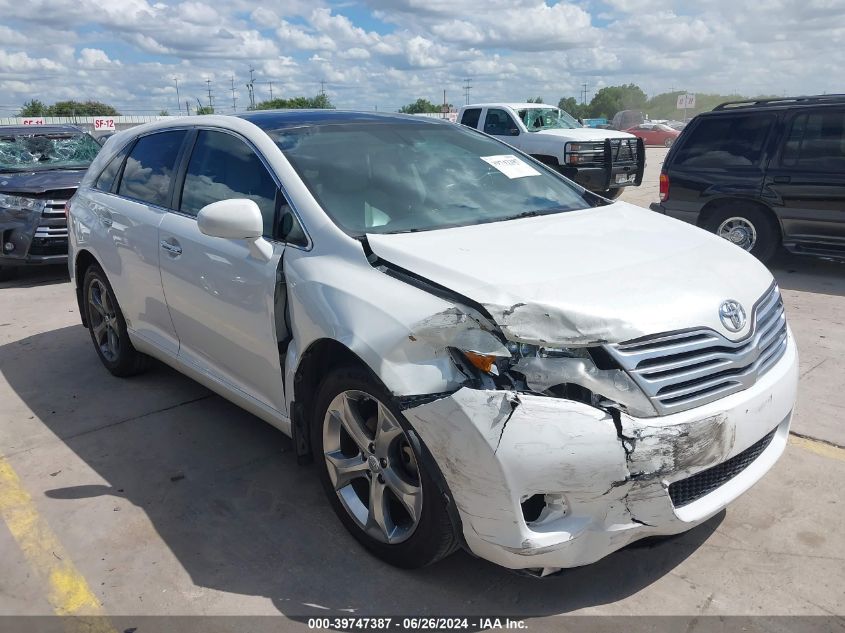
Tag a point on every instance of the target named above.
point(474, 350)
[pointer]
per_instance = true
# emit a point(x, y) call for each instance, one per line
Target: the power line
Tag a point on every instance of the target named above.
point(250, 87)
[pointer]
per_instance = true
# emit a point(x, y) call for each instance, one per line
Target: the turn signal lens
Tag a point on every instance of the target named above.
point(482, 361)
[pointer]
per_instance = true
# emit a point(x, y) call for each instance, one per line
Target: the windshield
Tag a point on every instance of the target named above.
point(402, 177)
point(32, 152)
point(547, 119)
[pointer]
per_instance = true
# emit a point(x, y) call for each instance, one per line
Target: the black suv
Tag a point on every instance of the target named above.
point(763, 173)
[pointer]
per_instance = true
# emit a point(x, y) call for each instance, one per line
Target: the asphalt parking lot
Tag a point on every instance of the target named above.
point(158, 497)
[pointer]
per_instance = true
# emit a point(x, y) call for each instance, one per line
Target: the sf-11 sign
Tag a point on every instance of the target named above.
point(33, 121)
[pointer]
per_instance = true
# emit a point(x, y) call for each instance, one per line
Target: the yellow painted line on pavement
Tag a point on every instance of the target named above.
point(819, 448)
point(67, 590)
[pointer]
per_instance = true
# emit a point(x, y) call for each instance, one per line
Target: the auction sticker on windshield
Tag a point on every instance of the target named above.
point(510, 165)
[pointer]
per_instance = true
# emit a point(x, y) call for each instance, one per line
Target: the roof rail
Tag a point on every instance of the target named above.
point(770, 103)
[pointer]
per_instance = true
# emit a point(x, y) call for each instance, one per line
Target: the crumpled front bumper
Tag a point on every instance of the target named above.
point(605, 477)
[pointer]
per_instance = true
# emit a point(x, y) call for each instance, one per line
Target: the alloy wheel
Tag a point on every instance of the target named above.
point(103, 318)
point(372, 466)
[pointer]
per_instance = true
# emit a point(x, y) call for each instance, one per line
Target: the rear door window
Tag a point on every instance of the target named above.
point(149, 168)
point(470, 117)
point(222, 167)
point(726, 141)
point(105, 181)
point(816, 142)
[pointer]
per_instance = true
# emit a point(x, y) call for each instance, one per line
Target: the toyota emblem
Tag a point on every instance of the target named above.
point(732, 315)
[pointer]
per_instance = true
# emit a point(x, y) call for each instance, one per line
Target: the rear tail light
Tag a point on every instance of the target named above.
point(664, 187)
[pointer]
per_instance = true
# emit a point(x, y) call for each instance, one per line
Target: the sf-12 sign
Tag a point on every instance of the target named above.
point(33, 121)
point(686, 101)
point(104, 124)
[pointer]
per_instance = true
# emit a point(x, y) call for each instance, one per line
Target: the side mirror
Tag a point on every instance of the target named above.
point(235, 219)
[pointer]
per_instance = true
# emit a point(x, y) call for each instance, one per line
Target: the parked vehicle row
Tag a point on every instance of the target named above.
point(475, 351)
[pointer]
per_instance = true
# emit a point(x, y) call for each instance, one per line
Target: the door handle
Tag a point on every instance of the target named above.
point(781, 179)
point(173, 249)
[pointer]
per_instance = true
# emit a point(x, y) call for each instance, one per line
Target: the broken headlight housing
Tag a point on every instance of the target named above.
point(21, 204)
point(583, 374)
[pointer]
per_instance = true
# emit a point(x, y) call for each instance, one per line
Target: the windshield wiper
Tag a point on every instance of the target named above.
point(524, 214)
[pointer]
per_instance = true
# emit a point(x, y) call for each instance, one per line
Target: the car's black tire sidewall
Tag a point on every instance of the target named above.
point(435, 535)
point(768, 232)
point(668, 142)
point(129, 361)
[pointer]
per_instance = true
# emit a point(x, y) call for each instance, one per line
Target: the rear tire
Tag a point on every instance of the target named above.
point(749, 227)
point(366, 456)
point(108, 327)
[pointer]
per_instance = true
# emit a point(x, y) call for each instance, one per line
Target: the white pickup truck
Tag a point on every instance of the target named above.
point(603, 161)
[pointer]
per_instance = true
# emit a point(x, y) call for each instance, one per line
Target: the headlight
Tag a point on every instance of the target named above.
point(547, 369)
point(21, 203)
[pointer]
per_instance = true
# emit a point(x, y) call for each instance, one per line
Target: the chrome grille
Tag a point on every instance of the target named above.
point(686, 369)
point(53, 224)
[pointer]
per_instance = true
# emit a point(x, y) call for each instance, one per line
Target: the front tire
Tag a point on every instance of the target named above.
point(374, 475)
point(749, 227)
point(108, 327)
point(668, 142)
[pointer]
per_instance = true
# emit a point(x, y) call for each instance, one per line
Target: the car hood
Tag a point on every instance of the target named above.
point(586, 134)
point(607, 274)
point(40, 181)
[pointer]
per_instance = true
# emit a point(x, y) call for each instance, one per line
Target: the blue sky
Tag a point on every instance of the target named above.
point(386, 53)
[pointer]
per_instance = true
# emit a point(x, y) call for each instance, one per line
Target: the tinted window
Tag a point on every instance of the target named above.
point(222, 166)
point(105, 181)
point(149, 168)
point(470, 117)
point(816, 141)
point(725, 141)
point(389, 177)
point(498, 122)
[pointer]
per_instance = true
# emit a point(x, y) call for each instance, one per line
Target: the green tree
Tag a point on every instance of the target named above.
point(164, 113)
point(571, 105)
point(321, 101)
point(80, 108)
point(33, 107)
point(611, 99)
point(535, 100)
point(204, 109)
point(420, 106)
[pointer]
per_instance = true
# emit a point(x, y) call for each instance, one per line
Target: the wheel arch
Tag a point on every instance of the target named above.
point(322, 356)
point(709, 209)
point(83, 261)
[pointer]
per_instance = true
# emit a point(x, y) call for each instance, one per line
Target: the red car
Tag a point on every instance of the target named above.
point(655, 134)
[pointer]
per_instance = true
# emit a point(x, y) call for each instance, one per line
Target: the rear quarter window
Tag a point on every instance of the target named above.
point(725, 142)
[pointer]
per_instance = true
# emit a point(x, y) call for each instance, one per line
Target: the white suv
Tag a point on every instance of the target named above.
point(476, 351)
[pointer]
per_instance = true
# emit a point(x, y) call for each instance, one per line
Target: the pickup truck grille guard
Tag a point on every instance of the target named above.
point(623, 152)
point(688, 368)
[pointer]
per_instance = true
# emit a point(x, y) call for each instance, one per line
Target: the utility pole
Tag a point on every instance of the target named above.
point(210, 98)
point(467, 88)
point(445, 108)
point(187, 107)
point(271, 90)
point(234, 98)
point(323, 87)
point(250, 87)
point(178, 100)
point(584, 98)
